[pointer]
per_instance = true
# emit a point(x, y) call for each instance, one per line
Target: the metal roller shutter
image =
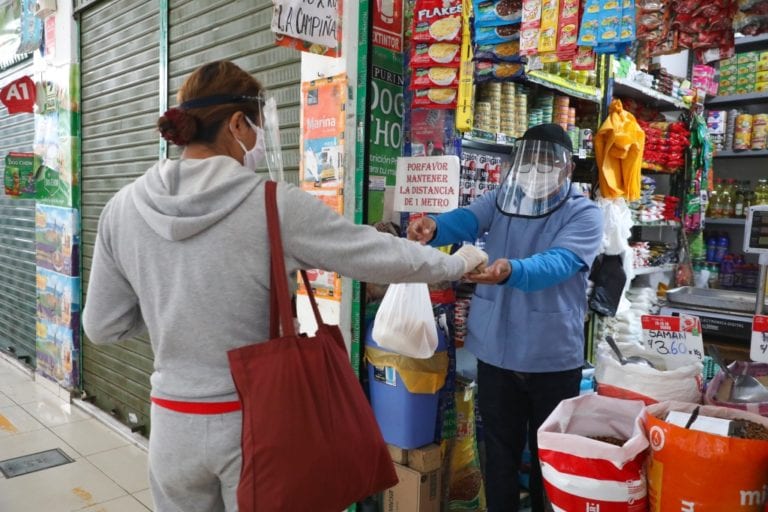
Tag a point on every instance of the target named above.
point(18, 300)
point(120, 90)
point(237, 31)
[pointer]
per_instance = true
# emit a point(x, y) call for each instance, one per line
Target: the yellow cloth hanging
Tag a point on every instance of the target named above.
point(619, 151)
point(418, 375)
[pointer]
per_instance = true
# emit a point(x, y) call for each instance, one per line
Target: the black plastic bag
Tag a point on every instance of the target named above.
point(609, 279)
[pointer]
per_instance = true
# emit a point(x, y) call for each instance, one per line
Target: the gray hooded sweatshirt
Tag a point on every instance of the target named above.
point(183, 253)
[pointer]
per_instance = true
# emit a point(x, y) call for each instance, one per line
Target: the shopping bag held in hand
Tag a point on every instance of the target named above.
point(405, 322)
point(310, 440)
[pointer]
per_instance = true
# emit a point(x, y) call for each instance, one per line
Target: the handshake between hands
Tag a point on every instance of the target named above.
point(476, 268)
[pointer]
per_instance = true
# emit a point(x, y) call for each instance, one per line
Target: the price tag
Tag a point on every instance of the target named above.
point(676, 338)
point(759, 349)
point(582, 153)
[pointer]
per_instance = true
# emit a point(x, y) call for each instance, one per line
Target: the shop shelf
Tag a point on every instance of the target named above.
point(489, 138)
point(739, 99)
point(651, 97)
point(726, 221)
point(668, 267)
point(751, 42)
point(658, 223)
point(742, 154)
point(558, 83)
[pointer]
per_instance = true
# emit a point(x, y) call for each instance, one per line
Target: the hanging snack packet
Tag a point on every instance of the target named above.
point(627, 34)
point(435, 98)
point(529, 29)
point(492, 13)
point(568, 29)
point(437, 21)
point(585, 59)
point(498, 72)
point(429, 78)
point(590, 23)
point(496, 35)
point(610, 21)
point(436, 54)
point(504, 52)
point(548, 30)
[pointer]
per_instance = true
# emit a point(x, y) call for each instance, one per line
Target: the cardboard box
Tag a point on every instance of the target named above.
point(747, 57)
point(763, 56)
point(732, 61)
point(762, 65)
point(746, 80)
point(762, 76)
point(399, 455)
point(727, 91)
point(745, 89)
point(761, 87)
point(415, 492)
point(746, 68)
point(727, 81)
point(425, 459)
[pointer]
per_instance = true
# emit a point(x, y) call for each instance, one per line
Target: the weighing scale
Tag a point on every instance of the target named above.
point(756, 242)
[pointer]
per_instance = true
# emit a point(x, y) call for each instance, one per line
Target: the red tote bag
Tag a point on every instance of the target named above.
point(310, 440)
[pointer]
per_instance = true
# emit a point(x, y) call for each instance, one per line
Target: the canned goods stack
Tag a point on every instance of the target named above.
point(521, 113)
point(534, 118)
point(562, 104)
point(759, 131)
point(545, 103)
point(482, 116)
point(742, 137)
point(508, 109)
point(573, 134)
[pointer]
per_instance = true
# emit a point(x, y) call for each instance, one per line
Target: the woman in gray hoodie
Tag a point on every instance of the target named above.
point(183, 253)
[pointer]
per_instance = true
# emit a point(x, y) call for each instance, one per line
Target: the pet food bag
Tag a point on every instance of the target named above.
point(592, 450)
point(692, 469)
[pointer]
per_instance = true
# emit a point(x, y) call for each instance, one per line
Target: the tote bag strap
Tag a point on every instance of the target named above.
point(280, 298)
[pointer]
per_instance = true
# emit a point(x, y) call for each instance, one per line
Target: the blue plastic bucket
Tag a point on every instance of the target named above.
point(406, 419)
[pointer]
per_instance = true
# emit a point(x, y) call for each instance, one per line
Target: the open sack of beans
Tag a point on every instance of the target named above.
point(592, 450)
point(718, 463)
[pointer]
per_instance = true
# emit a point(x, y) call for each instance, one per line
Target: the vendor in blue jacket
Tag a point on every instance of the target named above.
point(526, 319)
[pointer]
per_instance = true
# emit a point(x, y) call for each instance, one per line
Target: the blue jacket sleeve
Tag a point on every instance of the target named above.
point(456, 226)
point(544, 269)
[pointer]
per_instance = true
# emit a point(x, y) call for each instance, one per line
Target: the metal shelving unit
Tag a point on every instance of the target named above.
point(738, 99)
point(560, 84)
point(742, 154)
point(651, 97)
point(726, 221)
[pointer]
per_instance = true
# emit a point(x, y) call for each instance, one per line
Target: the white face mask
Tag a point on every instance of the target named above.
point(535, 186)
point(254, 157)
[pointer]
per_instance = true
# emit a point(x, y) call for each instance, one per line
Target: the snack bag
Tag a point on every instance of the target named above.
point(436, 21)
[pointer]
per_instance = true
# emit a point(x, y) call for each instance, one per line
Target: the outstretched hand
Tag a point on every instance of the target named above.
point(494, 273)
point(422, 230)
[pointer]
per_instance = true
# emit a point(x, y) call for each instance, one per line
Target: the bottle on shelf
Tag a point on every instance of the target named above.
point(723, 244)
point(727, 272)
point(761, 191)
point(738, 200)
point(711, 246)
point(714, 275)
point(725, 198)
point(713, 202)
point(730, 209)
point(749, 196)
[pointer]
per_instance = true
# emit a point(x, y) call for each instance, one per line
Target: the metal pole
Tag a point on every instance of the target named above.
point(760, 303)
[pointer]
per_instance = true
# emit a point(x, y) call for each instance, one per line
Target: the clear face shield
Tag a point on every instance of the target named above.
point(538, 181)
point(273, 155)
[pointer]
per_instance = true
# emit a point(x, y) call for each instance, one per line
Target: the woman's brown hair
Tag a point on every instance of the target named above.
point(208, 97)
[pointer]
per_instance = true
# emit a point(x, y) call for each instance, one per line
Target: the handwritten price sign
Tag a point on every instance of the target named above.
point(759, 349)
point(677, 338)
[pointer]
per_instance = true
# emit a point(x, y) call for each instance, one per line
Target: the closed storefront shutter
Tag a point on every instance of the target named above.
point(119, 104)
point(17, 237)
point(201, 31)
point(120, 51)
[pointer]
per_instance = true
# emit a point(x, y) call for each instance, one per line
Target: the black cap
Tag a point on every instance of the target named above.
point(549, 133)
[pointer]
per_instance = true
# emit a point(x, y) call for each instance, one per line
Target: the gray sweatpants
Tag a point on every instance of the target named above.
point(194, 461)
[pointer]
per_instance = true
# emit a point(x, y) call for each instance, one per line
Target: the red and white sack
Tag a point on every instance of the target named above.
point(586, 474)
point(651, 385)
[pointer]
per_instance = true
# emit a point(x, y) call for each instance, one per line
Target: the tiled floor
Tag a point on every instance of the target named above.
point(109, 473)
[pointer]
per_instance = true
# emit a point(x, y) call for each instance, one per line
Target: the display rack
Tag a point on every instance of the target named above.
point(739, 99)
point(658, 224)
point(667, 267)
point(565, 86)
point(750, 42)
point(742, 154)
point(651, 97)
point(726, 221)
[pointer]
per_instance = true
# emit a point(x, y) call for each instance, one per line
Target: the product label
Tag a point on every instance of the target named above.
point(677, 338)
point(759, 347)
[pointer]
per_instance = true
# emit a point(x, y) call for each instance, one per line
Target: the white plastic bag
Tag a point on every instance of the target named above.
point(405, 322)
point(587, 474)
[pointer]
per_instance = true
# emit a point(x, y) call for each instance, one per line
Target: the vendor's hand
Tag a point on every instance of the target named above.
point(494, 273)
point(474, 258)
point(422, 230)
